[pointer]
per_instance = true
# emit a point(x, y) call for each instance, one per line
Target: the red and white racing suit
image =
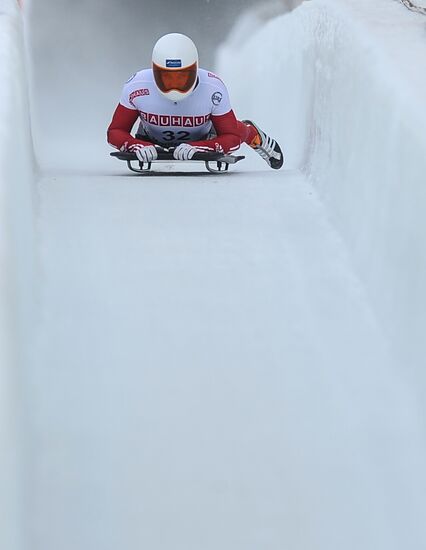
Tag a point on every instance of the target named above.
point(194, 120)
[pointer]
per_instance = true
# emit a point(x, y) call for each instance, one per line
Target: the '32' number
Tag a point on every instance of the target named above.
point(176, 136)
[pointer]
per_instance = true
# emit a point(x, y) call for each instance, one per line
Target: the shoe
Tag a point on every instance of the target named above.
point(266, 147)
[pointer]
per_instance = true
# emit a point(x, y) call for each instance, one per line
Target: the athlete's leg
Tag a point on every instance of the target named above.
point(264, 145)
point(248, 134)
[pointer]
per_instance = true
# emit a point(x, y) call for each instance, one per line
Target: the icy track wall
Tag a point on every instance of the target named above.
point(346, 74)
point(16, 217)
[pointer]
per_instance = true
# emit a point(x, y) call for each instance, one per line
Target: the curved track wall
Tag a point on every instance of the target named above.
point(16, 221)
point(339, 83)
point(348, 113)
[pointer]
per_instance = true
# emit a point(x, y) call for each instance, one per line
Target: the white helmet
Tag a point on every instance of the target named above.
point(175, 66)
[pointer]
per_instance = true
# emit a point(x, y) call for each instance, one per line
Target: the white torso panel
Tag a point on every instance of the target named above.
point(168, 123)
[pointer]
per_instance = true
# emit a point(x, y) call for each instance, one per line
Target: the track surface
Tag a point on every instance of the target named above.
point(202, 357)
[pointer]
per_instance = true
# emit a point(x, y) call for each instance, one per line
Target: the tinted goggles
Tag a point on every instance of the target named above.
point(180, 80)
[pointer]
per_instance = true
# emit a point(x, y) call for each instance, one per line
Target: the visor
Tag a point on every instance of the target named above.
point(180, 80)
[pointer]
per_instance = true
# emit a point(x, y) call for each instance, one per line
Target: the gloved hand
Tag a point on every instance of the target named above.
point(184, 151)
point(145, 153)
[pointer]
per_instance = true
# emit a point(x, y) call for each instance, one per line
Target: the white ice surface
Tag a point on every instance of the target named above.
point(16, 262)
point(207, 369)
point(209, 372)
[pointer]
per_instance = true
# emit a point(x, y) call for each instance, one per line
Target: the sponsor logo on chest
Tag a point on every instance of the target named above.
point(175, 120)
point(138, 93)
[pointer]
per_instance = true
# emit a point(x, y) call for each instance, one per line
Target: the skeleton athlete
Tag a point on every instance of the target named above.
point(183, 107)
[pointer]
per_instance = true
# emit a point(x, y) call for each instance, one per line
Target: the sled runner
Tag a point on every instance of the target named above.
point(216, 163)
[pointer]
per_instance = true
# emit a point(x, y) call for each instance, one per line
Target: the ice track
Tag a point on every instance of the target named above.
point(202, 345)
point(200, 362)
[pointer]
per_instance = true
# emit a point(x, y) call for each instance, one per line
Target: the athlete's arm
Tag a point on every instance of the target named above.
point(121, 125)
point(228, 134)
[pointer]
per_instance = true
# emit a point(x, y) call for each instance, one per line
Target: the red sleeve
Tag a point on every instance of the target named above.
point(228, 134)
point(121, 125)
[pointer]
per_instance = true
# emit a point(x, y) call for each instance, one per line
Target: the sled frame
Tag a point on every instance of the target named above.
point(215, 163)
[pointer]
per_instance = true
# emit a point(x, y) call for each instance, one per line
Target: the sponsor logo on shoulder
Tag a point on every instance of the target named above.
point(212, 75)
point(131, 78)
point(217, 98)
point(173, 63)
point(138, 93)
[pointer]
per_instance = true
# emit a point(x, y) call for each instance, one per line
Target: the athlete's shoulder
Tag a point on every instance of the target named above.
point(141, 77)
point(209, 78)
point(139, 85)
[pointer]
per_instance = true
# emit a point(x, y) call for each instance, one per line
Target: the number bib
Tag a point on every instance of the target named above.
point(169, 130)
point(169, 123)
